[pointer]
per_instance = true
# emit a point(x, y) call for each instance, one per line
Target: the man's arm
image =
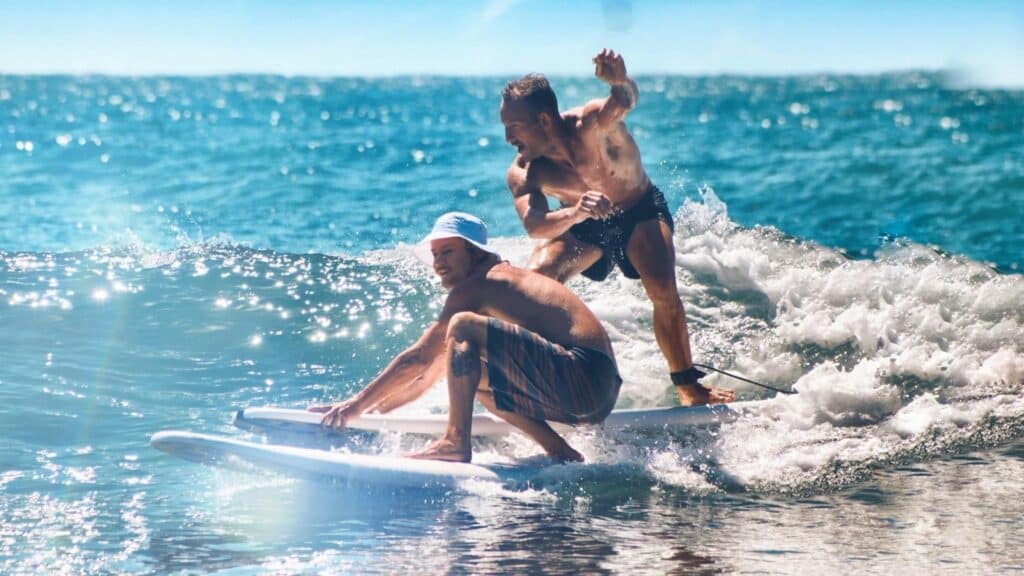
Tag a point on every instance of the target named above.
point(409, 371)
point(539, 220)
point(611, 68)
point(415, 389)
point(412, 372)
point(532, 206)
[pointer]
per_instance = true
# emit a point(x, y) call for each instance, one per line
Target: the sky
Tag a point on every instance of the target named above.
point(981, 38)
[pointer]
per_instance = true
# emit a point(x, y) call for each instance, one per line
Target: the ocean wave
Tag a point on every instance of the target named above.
point(912, 354)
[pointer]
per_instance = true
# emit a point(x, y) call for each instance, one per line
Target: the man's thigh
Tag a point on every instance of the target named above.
point(563, 257)
point(650, 250)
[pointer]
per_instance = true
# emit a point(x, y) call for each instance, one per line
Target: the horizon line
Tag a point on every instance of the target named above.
point(747, 74)
point(956, 78)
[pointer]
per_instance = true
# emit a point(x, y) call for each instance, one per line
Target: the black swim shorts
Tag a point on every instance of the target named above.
point(612, 234)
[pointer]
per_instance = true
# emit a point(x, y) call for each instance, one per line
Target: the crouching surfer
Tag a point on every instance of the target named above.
point(519, 342)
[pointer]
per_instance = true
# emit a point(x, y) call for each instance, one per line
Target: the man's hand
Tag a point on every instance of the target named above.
point(337, 415)
point(610, 67)
point(593, 204)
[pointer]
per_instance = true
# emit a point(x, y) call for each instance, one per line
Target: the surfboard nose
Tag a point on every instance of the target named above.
point(160, 440)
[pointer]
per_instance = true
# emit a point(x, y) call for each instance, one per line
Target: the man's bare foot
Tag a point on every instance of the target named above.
point(698, 395)
point(444, 450)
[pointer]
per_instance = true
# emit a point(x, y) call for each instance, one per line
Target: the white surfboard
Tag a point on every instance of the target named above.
point(353, 469)
point(292, 420)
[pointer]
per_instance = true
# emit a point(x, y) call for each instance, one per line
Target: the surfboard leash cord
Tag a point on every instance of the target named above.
point(747, 380)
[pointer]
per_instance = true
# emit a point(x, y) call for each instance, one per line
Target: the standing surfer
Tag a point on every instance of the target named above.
point(611, 213)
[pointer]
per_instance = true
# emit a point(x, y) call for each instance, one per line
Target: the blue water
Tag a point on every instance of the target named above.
point(173, 249)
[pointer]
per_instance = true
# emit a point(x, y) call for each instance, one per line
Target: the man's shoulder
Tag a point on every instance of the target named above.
point(517, 168)
point(506, 275)
point(502, 275)
point(517, 176)
point(584, 117)
point(524, 177)
point(499, 273)
point(574, 114)
point(474, 292)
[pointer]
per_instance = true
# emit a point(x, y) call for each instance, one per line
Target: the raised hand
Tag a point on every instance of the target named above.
point(610, 67)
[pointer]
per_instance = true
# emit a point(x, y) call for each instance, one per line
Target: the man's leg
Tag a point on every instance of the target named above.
point(563, 257)
point(466, 344)
point(651, 252)
point(555, 446)
point(467, 347)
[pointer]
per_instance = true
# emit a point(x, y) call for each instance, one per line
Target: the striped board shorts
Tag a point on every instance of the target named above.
point(534, 377)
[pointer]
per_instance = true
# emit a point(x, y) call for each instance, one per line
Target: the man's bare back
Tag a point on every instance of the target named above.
point(534, 302)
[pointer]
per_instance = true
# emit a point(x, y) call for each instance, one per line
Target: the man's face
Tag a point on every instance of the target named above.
point(523, 129)
point(452, 260)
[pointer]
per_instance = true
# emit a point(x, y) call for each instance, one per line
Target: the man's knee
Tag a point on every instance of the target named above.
point(663, 292)
point(465, 326)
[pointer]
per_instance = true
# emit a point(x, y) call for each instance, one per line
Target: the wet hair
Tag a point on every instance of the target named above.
point(534, 91)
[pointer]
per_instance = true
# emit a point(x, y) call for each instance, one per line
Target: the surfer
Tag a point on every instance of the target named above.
point(611, 213)
point(519, 342)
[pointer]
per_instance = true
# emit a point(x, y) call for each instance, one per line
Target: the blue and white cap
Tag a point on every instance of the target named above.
point(454, 225)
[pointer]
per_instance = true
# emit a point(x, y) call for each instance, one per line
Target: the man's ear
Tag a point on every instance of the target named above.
point(544, 119)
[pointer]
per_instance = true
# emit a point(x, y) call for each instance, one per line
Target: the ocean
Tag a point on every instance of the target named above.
point(173, 249)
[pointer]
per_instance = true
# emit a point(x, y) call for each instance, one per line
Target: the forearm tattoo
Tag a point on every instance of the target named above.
point(465, 359)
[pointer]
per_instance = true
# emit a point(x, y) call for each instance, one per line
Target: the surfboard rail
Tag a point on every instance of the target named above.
point(273, 419)
point(374, 471)
point(393, 472)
